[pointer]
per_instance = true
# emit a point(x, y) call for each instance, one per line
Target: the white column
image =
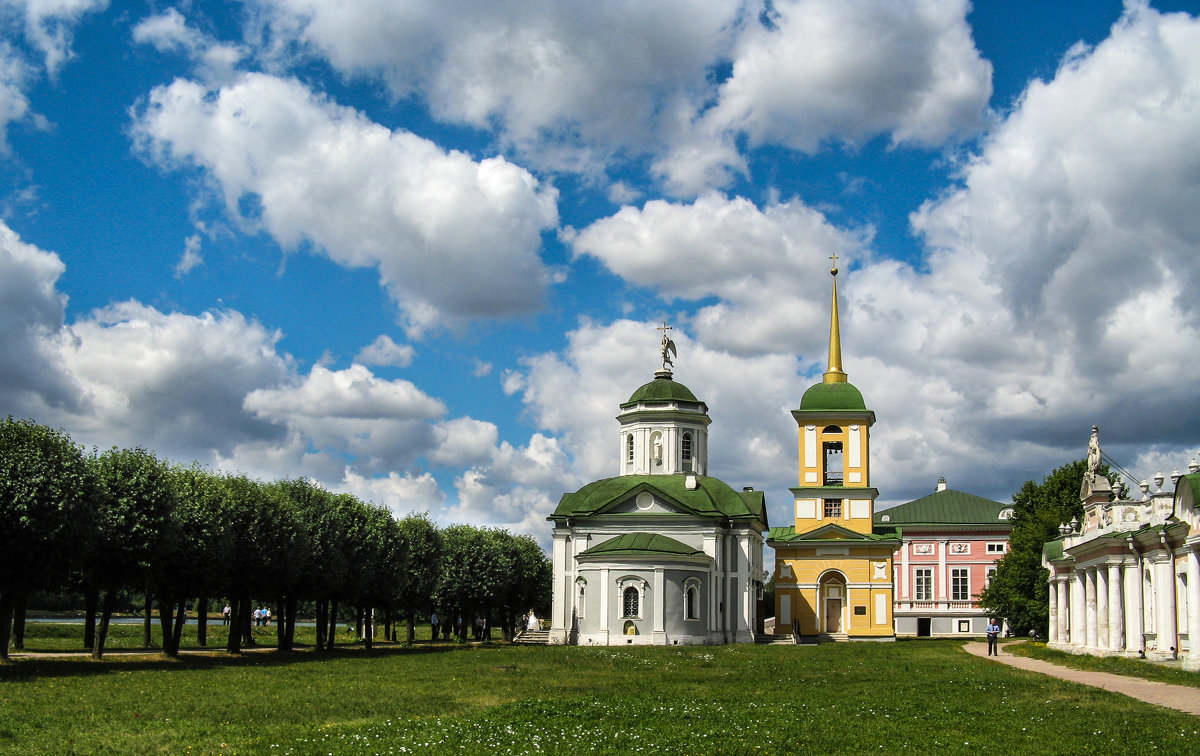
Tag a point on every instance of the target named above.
point(605, 609)
point(560, 607)
point(1164, 588)
point(1053, 637)
point(1193, 594)
point(905, 547)
point(1064, 610)
point(1078, 617)
point(943, 547)
point(1101, 573)
point(1116, 610)
point(1135, 640)
point(658, 603)
point(1089, 587)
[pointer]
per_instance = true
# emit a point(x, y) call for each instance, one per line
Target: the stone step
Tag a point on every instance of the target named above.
point(533, 638)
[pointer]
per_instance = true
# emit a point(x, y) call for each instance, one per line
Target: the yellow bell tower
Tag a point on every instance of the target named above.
point(833, 574)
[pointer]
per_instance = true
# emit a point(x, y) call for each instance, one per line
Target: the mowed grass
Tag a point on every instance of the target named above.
point(1166, 673)
point(910, 697)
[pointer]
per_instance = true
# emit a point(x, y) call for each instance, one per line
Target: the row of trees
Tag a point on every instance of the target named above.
point(124, 520)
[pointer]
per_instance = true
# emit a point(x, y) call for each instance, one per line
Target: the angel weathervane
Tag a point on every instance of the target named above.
point(668, 347)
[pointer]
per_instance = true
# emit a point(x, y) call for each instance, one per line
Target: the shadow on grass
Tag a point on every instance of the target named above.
point(44, 664)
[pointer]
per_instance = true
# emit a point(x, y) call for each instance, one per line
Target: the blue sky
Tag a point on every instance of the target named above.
point(418, 251)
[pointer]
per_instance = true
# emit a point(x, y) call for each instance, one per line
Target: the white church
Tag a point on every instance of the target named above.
point(1126, 580)
point(662, 554)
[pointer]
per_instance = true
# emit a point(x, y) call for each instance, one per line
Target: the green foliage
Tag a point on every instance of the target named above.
point(47, 495)
point(1019, 591)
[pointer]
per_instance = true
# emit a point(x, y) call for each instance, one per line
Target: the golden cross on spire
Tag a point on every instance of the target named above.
point(834, 269)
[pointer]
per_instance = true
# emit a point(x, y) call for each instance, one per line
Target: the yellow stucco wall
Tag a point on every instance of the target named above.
point(799, 571)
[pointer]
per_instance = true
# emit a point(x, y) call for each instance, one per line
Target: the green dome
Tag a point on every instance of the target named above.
point(662, 390)
point(832, 396)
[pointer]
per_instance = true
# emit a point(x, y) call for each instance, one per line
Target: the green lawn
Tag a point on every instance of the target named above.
point(1166, 673)
point(911, 697)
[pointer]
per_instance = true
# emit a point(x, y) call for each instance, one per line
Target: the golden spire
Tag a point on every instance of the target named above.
point(834, 374)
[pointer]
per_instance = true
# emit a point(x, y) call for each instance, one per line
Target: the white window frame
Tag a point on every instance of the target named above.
point(922, 578)
point(629, 448)
point(999, 547)
point(637, 584)
point(957, 574)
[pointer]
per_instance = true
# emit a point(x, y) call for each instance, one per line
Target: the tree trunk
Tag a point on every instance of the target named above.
point(368, 625)
point(6, 614)
point(245, 622)
point(105, 616)
point(331, 637)
point(180, 619)
point(91, 601)
point(322, 617)
point(412, 625)
point(18, 634)
point(165, 622)
point(358, 622)
point(146, 629)
point(202, 622)
point(289, 633)
point(233, 644)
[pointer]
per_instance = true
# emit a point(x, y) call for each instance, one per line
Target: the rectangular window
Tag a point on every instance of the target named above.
point(960, 584)
point(964, 626)
point(923, 584)
point(991, 573)
point(995, 548)
point(833, 507)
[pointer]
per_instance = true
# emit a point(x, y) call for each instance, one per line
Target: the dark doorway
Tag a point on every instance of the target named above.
point(923, 624)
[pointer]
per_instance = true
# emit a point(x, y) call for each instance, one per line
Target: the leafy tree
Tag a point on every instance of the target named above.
point(197, 559)
point(423, 543)
point(47, 492)
point(528, 579)
point(323, 573)
point(134, 527)
point(1019, 590)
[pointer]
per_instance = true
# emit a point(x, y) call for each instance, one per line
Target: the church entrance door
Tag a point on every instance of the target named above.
point(833, 597)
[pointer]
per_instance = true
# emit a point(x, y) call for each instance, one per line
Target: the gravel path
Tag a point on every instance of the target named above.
point(1179, 697)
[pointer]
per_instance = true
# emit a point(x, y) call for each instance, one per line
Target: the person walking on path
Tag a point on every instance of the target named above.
point(993, 633)
point(1179, 697)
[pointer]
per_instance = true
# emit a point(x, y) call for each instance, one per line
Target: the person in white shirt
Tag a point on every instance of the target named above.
point(993, 632)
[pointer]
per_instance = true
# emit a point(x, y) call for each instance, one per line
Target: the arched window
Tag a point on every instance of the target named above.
point(833, 463)
point(630, 603)
point(580, 597)
point(691, 600)
point(629, 447)
point(686, 451)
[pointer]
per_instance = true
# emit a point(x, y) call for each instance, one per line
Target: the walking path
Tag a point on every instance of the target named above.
point(1179, 697)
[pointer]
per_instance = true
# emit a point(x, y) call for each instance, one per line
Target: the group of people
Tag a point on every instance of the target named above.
point(261, 616)
point(443, 626)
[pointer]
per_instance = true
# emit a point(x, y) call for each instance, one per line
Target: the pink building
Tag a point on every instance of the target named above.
point(951, 542)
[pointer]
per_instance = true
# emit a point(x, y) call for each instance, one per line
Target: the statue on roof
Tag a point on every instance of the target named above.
point(1093, 454)
point(668, 347)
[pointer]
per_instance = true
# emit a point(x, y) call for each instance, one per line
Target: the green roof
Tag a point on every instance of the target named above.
point(649, 544)
point(662, 389)
point(946, 507)
point(710, 498)
point(829, 532)
point(832, 397)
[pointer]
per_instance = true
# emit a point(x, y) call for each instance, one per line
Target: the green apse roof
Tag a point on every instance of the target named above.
point(710, 498)
point(947, 507)
point(662, 389)
point(649, 544)
point(832, 396)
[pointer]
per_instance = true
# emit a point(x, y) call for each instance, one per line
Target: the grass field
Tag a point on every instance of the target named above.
point(1165, 673)
point(910, 697)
